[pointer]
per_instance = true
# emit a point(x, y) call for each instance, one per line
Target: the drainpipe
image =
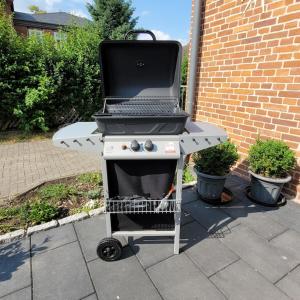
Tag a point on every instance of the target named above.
point(194, 57)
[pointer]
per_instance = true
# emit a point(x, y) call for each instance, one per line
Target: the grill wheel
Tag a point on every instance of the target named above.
point(109, 249)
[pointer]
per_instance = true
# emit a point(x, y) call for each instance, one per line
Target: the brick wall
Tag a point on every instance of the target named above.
point(249, 74)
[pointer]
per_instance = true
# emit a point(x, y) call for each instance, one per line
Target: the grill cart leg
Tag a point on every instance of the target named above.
point(177, 214)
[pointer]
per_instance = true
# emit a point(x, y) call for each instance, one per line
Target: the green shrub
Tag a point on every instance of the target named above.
point(187, 175)
point(56, 192)
point(271, 158)
point(93, 178)
point(38, 212)
point(216, 160)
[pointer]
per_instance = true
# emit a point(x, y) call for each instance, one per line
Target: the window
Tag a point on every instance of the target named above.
point(59, 36)
point(36, 32)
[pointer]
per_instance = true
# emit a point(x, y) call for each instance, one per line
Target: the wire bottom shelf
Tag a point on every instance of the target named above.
point(138, 206)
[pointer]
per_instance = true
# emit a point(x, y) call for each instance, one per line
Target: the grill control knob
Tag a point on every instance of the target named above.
point(148, 145)
point(135, 146)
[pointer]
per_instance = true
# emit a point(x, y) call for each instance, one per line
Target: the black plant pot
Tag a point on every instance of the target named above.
point(266, 190)
point(210, 187)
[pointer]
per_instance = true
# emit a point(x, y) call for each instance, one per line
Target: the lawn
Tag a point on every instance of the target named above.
point(10, 137)
point(52, 201)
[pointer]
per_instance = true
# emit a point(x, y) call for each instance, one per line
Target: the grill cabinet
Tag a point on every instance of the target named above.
point(142, 137)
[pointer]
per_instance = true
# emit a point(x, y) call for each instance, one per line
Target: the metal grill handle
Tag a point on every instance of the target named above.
point(130, 32)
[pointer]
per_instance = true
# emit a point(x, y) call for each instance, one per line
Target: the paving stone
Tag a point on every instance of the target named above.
point(288, 241)
point(189, 195)
point(61, 274)
point(271, 262)
point(290, 284)
point(90, 232)
point(53, 238)
point(24, 294)
point(178, 278)
point(151, 250)
point(90, 297)
point(212, 218)
point(208, 253)
point(42, 227)
point(73, 218)
point(186, 217)
point(14, 266)
point(240, 281)
point(124, 278)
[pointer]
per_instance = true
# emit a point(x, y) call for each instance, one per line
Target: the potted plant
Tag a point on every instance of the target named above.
point(270, 162)
point(212, 165)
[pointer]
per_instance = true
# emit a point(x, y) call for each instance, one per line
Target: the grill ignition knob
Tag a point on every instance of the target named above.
point(135, 146)
point(148, 145)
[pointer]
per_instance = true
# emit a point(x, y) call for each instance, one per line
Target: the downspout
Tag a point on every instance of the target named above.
point(196, 28)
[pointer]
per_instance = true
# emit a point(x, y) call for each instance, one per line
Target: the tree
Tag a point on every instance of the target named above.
point(113, 17)
point(36, 10)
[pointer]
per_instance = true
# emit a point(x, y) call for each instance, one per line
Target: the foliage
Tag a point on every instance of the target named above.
point(271, 158)
point(36, 10)
point(184, 69)
point(56, 192)
point(39, 211)
point(187, 175)
point(43, 80)
point(216, 160)
point(113, 17)
point(93, 178)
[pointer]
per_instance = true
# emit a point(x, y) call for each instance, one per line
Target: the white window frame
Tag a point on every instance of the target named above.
point(36, 32)
point(59, 36)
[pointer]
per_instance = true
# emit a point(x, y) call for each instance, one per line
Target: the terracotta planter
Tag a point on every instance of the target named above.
point(210, 187)
point(266, 190)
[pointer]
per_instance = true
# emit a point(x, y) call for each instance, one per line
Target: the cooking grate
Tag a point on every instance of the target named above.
point(141, 106)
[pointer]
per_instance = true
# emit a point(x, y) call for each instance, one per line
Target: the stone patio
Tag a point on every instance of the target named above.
point(238, 251)
point(26, 165)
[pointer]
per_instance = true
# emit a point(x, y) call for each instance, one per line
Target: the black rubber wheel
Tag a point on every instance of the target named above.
point(109, 249)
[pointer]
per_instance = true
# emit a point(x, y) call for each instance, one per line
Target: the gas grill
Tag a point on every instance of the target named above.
point(142, 137)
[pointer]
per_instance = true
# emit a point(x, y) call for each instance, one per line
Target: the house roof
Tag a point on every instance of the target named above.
point(57, 18)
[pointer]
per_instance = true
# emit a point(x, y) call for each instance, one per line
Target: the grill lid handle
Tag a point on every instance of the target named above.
point(130, 32)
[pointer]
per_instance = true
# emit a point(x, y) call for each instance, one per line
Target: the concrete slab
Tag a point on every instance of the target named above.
point(208, 253)
point(290, 284)
point(90, 297)
point(271, 262)
point(123, 279)
point(90, 232)
point(14, 266)
point(288, 241)
point(61, 274)
point(212, 218)
point(189, 195)
point(53, 238)
point(151, 250)
point(240, 281)
point(23, 294)
point(178, 278)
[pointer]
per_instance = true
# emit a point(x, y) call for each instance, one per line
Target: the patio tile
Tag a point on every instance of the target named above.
point(151, 250)
point(14, 266)
point(90, 232)
point(270, 261)
point(24, 294)
point(240, 281)
point(189, 195)
point(90, 297)
point(212, 218)
point(178, 278)
point(288, 241)
point(208, 253)
point(290, 284)
point(124, 279)
point(61, 274)
point(53, 238)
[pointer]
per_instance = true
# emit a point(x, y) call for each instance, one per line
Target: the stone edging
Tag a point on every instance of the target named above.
point(21, 233)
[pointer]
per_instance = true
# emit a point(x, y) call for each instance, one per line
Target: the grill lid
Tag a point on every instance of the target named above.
point(135, 68)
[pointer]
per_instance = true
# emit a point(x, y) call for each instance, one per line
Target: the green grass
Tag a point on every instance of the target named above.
point(187, 175)
point(11, 137)
point(52, 201)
